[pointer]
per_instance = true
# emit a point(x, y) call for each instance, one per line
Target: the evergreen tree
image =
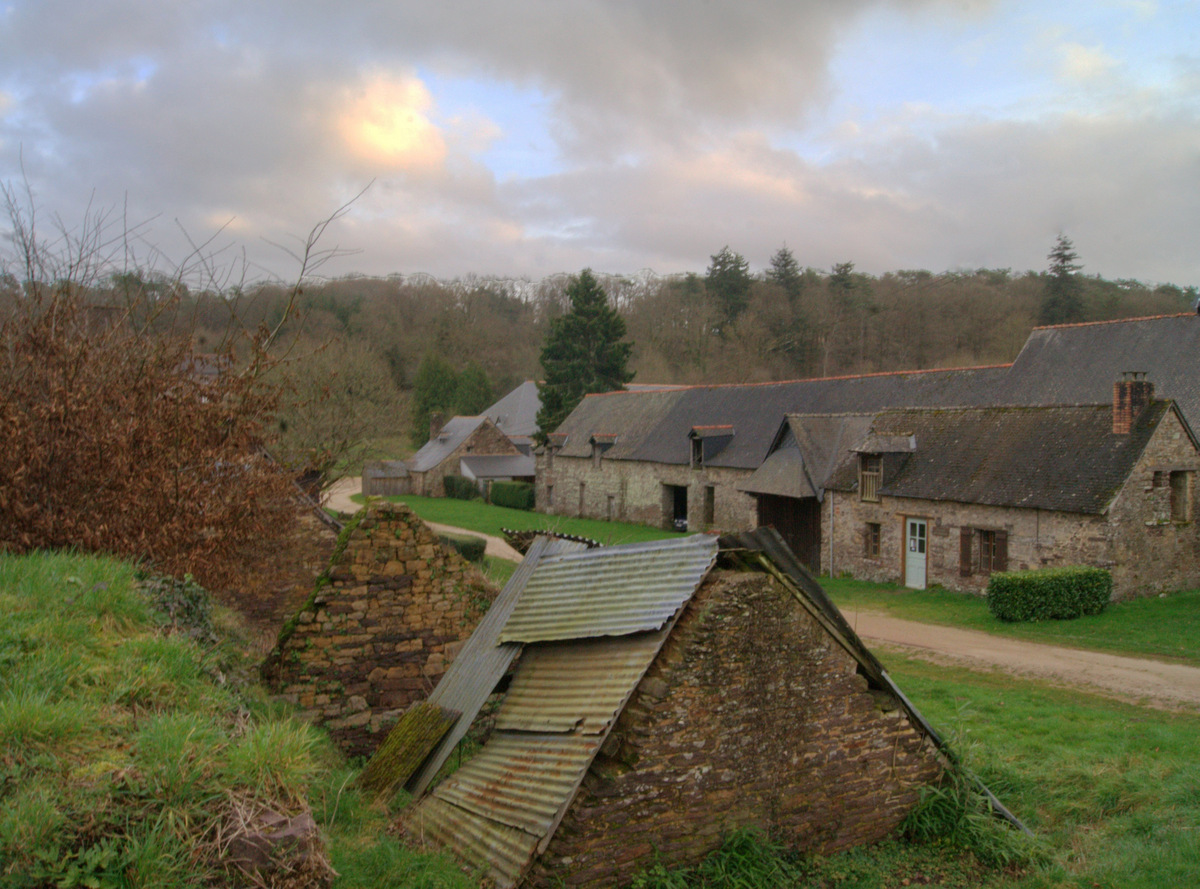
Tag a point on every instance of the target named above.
point(583, 353)
point(1063, 300)
point(785, 272)
point(435, 389)
point(728, 282)
point(474, 392)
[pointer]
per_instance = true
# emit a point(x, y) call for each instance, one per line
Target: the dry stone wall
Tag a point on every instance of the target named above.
point(381, 628)
point(751, 716)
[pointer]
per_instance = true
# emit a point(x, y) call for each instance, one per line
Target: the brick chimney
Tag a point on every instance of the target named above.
point(436, 422)
point(1131, 394)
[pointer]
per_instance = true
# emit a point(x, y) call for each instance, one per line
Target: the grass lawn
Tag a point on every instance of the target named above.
point(1114, 790)
point(1166, 628)
point(475, 515)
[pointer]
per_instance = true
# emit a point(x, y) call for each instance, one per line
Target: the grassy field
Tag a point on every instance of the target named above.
point(1166, 628)
point(129, 739)
point(475, 515)
point(133, 745)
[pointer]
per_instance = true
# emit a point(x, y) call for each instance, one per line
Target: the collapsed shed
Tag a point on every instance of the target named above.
point(667, 694)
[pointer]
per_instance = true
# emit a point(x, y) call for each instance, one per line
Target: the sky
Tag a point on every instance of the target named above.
point(530, 137)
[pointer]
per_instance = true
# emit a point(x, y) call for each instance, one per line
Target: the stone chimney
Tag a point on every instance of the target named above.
point(1131, 394)
point(436, 422)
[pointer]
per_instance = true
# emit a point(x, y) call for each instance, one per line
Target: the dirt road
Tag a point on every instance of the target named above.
point(1147, 682)
point(338, 497)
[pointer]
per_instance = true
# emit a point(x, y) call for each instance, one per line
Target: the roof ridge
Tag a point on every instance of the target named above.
point(1115, 321)
point(882, 373)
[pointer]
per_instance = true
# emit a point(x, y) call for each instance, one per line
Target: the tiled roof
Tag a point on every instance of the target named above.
point(1062, 458)
point(516, 413)
point(1078, 363)
point(654, 426)
point(442, 445)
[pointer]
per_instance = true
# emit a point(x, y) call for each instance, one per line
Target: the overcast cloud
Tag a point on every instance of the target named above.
point(527, 138)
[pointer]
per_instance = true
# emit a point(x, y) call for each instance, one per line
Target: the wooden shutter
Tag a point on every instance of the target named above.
point(1001, 561)
point(964, 552)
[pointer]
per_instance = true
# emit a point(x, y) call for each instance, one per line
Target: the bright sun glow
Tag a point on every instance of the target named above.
point(386, 123)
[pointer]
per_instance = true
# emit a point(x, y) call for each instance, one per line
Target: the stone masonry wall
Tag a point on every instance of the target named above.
point(1150, 551)
point(750, 716)
point(1136, 540)
point(637, 494)
point(394, 608)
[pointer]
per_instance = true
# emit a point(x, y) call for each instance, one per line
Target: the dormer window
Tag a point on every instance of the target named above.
point(870, 474)
point(697, 453)
point(707, 442)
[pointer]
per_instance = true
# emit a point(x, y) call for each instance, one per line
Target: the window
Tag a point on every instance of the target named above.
point(608, 507)
point(982, 551)
point(870, 472)
point(710, 496)
point(697, 452)
point(871, 538)
point(582, 490)
point(550, 496)
point(1181, 496)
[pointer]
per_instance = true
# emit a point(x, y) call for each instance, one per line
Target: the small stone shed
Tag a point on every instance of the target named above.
point(668, 694)
point(385, 620)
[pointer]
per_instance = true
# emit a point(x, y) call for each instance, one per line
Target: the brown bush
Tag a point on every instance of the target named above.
point(116, 439)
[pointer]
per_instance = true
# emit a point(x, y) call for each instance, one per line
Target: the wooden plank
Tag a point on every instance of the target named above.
point(407, 745)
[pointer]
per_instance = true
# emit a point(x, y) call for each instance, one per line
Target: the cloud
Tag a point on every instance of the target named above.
point(1083, 63)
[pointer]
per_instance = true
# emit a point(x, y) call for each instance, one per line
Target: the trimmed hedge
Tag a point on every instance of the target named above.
point(1049, 593)
point(470, 548)
point(460, 488)
point(514, 495)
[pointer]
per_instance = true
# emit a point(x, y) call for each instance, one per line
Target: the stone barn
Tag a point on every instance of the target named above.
point(666, 695)
point(385, 620)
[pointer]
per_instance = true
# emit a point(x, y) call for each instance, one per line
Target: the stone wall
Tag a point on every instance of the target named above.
point(1136, 539)
point(633, 491)
point(750, 717)
point(1151, 552)
point(378, 633)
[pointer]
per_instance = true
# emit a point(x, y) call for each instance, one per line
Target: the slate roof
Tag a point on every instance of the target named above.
point(807, 449)
point(1079, 363)
point(654, 426)
point(516, 413)
point(442, 445)
point(1063, 458)
point(498, 466)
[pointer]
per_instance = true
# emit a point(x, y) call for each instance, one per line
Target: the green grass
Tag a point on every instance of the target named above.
point(497, 570)
point(1166, 628)
point(127, 748)
point(475, 515)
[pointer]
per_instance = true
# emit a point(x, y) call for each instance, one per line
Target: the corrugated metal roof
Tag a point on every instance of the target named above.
point(611, 591)
point(483, 661)
point(500, 850)
point(576, 686)
point(521, 780)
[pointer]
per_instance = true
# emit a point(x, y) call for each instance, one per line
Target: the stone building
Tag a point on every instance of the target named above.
point(666, 695)
point(949, 496)
point(384, 622)
point(678, 457)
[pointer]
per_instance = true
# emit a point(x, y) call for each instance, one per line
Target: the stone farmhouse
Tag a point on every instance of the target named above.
point(653, 711)
point(496, 445)
point(732, 457)
point(947, 496)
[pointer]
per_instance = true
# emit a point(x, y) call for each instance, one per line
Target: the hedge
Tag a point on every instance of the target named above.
point(460, 488)
point(470, 548)
point(515, 495)
point(1049, 593)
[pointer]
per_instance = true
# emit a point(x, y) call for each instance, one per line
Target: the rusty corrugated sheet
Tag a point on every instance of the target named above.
point(501, 851)
point(521, 780)
point(612, 591)
point(482, 663)
point(576, 686)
